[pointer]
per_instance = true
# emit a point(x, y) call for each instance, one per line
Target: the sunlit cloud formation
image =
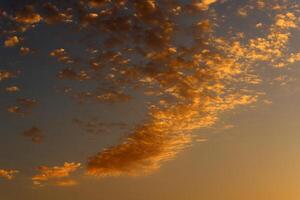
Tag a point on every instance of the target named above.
point(204, 4)
point(56, 173)
point(12, 89)
point(11, 41)
point(22, 106)
point(197, 89)
point(8, 174)
point(27, 15)
point(188, 72)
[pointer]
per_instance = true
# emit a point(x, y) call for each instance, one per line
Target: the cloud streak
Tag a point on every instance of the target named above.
point(57, 173)
point(8, 174)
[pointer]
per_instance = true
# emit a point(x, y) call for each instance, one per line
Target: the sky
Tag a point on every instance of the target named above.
point(152, 99)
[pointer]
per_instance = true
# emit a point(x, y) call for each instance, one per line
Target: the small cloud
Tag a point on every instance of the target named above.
point(12, 89)
point(53, 15)
point(35, 134)
point(286, 21)
point(26, 102)
point(8, 174)
point(57, 172)
point(242, 12)
point(228, 126)
point(4, 74)
point(259, 25)
point(11, 41)
point(23, 106)
point(28, 16)
point(66, 183)
point(62, 55)
point(70, 74)
point(24, 50)
point(204, 4)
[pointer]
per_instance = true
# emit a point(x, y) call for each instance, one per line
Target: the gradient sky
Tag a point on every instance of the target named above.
point(152, 99)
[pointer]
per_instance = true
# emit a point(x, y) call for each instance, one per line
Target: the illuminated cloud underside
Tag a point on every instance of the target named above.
point(8, 174)
point(191, 83)
point(56, 173)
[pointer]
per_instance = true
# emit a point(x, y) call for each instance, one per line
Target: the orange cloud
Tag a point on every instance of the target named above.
point(12, 89)
point(23, 106)
point(4, 75)
point(57, 172)
point(28, 16)
point(61, 55)
point(11, 41)
point(204, 4)
point(8, 174)
point(66, 183)
point(35, 134)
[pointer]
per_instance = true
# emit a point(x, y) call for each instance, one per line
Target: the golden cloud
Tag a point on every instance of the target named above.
point(190, 72)
point(5, 74)
point(204, 4)
point(66, 183)
point(8, 174)
point(28, 16)
point(198, 96)
point(11, 41)
point(56, 172)
point(23, 106)
point(12, 89)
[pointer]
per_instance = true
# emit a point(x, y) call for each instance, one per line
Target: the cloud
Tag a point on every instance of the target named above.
point(71, 74)
point(204, 4)
point(199, 96)
point(56, 173)
point(28, 16)
point(61, 55)
point(35, 134)
point(287, 20)
point(5, 74)
point(12, 89)
point(53, 15)
point(189, 71)
point(24, 50)
point(8, 174)
point(23, 106)
point(11, 41)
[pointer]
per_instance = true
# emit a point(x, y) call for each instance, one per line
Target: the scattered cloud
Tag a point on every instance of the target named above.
point(190, 71)
point(56, 173)
point(204, 4)
point(11, 41)
point(23, 106)
point(28, 16)
point(12, 89)
point(5, 74)
point(8, 174)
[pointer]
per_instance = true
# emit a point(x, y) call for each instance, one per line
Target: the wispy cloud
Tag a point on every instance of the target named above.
point(57, 173)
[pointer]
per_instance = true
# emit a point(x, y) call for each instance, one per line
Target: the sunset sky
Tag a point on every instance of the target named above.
point(149, 99)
